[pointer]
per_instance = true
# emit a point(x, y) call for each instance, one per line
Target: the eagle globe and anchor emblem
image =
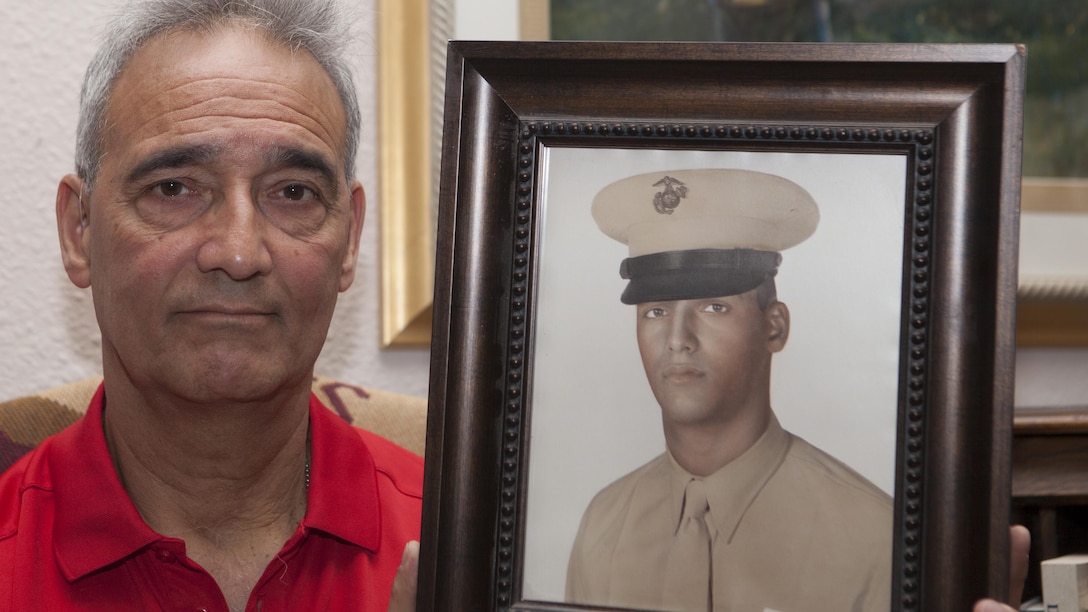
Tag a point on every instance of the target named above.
point(666, 200)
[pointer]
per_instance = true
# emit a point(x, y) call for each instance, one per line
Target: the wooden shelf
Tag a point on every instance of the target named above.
point(1050, 482)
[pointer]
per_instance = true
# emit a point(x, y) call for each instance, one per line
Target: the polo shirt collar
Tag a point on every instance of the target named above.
point(343, 496)
point(97, 524)
point(732, 489)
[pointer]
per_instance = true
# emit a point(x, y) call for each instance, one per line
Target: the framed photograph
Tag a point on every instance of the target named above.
point(891, 320)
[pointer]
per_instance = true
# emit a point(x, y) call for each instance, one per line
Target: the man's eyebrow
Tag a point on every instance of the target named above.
point(177, 157)
point(291, 157)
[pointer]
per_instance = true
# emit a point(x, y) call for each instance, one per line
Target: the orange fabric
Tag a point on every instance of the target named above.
point(26, 421)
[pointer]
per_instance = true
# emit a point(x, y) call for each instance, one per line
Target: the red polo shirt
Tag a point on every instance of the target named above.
point(71, 539)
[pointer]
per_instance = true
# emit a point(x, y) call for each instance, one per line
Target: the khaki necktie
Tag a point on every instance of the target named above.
point(687, 575)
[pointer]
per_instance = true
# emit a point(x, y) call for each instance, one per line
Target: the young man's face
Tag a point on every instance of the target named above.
point(708, 360)
point(221, 226)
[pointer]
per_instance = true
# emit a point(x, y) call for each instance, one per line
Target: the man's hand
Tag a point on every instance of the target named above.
point(403, 598)
point(1019, 545)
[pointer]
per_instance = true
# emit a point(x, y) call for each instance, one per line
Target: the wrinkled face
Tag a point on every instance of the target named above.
point(221, 226)
point(708, 360)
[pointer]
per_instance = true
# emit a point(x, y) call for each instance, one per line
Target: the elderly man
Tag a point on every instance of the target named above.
point(215, 216)
point(737, 514)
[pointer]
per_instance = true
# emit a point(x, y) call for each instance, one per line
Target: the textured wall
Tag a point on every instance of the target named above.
point(48, 333)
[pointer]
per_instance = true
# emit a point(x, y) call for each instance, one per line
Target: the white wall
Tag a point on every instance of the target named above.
point(48, 334)
point(485, 19)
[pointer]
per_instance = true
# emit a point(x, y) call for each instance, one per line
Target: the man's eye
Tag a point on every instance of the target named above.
point(716, 307)
point(297, 192)
point(654, 313)
point(171, 189)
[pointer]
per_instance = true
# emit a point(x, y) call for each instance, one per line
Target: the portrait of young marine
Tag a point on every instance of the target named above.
point(737, 514)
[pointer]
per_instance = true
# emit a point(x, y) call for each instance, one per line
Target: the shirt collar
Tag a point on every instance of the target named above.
point(732, 489)
point(98, 525)
point(343, 495)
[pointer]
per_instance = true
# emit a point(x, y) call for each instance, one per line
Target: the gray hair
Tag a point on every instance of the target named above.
point(318, 26)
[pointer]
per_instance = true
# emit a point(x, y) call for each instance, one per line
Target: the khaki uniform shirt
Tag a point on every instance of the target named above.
point(793, 530)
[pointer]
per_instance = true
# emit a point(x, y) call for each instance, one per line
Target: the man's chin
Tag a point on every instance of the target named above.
point(226, 384)
point(250, 386)
point(687, 412)
point(226, 392)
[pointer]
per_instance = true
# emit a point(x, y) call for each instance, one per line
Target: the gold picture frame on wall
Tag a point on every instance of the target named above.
point(405, 146)
point(411, 51)
point(412, 36)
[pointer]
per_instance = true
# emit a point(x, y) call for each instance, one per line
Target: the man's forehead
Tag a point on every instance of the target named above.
point(183, 83)
point(271, 155)
point(736, 297)
point(225, 52)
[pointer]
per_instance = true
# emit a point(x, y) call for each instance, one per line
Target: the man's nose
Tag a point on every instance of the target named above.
point(682, 335)
point(234, 238)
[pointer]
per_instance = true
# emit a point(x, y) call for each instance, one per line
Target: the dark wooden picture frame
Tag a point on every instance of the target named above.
point(954, 111)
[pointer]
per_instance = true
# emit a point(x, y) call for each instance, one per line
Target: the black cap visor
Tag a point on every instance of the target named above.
point(695, 274)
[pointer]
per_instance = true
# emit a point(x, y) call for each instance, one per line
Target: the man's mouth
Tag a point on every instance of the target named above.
point(228, 314)
point(681, 373)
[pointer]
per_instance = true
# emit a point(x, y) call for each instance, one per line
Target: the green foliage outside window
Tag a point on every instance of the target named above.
point(1055, 32)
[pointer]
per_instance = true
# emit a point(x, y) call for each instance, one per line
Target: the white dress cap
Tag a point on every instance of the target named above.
point(709, 208)
point(702, 233)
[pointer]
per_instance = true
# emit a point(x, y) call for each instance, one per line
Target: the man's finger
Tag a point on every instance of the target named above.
point(989, 605)
point(1019, 546)
point(403, 598)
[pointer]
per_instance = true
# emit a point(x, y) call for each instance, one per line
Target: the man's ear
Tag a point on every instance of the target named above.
point(351, 254)
point(778, 326)
point(73, 230)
